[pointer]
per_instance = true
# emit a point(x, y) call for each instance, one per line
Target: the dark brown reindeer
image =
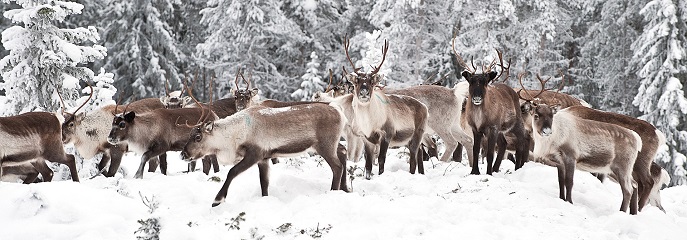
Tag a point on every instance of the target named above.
point(152, 133)
point(32, 138)
point(570, 142)
point(258, 133)
point(493, 109)
point(651, 139)
point(387, 120)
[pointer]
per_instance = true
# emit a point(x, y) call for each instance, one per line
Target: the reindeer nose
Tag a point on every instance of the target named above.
point(477, 100)
point(184, 155)
point(546, 131)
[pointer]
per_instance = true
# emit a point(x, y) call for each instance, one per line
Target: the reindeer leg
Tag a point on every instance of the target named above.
point(103, 161)
point(475, 152)
point(148, 155)
point(458, 154)
point(414, 149)
point(152, 164)
point(369, 159)
point(383, 147)
point(332, 157)
point(71, 163)
point(215, 164)
point(492, 135)
point(163, 162)
point(250, 158)
point(501, 151)
point(192, 166)
point(569, 174)
point(341, 155)
point(634, 199)
point(116, 154)
point(642, 173)
point(264, 170)
point(42, 167)
point(561, 181)
point(625, 181)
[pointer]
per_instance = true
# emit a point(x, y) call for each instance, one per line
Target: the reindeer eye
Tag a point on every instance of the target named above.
point(121, 125)
point(198, 137)
point(71, 124)
point(536, 116)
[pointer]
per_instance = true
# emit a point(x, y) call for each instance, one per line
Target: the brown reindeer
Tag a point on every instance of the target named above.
point(152, 133)
point(258, 133)
point(27, 172)
point(88, 132)
point(493, 109)
point(570, 142)
point(383, 119)
point(651, 138)
point(32, 138)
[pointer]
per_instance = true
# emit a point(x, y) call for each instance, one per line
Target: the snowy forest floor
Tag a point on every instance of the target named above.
point(445, 203)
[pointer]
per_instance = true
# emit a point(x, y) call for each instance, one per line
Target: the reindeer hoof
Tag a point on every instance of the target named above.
point(473, 172)
point(215, 204)
point(368, 175)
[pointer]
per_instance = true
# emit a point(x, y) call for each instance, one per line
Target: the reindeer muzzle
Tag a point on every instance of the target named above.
point(185, 157)
point(113, 141)
point(546, 131)
point(364, 95)
point(477, 100)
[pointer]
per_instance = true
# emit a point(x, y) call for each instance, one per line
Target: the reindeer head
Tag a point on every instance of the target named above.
point(478, 85)
point(71, 120)
point(175, 100)
point(479, 82)
point(364, 83)
point(121, 125)
point(196, 148)
point(243, 96)
point(542, 119)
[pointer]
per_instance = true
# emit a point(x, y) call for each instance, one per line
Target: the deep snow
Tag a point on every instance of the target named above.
point(446, 203)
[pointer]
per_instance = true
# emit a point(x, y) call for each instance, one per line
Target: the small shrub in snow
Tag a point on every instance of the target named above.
point(284, 228)
point(295, 162)
point(255, 235)
point(236, 222)
point(214, 179)
point(317, 232)
point(150, 228)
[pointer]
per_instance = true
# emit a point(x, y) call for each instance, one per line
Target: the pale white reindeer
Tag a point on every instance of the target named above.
point(570, 142)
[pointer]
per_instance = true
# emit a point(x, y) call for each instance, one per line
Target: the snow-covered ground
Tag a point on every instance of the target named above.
point(446, 203)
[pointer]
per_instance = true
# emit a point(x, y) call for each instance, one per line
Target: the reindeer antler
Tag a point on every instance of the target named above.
point(541, 81)
point(330, 81)
point(202, 109)
point(385, 49)
point(503, 67)
point(461, 62)
point(85, 102)
point(61, 100)
point(347, 43)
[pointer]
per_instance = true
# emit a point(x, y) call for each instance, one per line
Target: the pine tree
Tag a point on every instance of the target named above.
point(660, 54)
point(143, 49)
point(43, 58)
point(312, 82)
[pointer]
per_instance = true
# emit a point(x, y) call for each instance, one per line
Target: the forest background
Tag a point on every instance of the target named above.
point(624, 56)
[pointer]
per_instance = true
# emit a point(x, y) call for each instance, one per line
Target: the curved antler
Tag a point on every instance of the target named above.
point(330, 81)
point(503, 67)
point(461, 62)
point(347, 43)
point(202, 109)
point(245, 81)
point(385, 49)
point(61, 100)
point(89, 98)
point(522, 88)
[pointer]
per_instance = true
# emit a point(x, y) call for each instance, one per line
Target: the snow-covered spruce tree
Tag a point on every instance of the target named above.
point(143, 49)
point(312, 82)
point(660, 54)
point(43, 58)
point(258, 37)
point(604, 72)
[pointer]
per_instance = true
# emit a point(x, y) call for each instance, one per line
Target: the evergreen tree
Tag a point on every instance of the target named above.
point(312, 82)
point(660, 55)
point(143, 50)
point(43, 58)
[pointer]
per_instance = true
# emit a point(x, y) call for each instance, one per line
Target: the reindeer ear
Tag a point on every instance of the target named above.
point(377, 79)
point(208, 126)
point(80, 116)
point(352, 78)
point(526, 107)
point(254, 92)
point(555, 108)
point(492, 75)
point(467, 75)
point(129, 116)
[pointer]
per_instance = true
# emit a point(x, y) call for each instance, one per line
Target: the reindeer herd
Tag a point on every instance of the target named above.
point(480, 114)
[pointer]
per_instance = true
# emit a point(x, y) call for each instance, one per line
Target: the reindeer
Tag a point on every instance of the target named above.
point(651, 138)
point(255, 134)
point(383, 119)
point(88, 132)
point(31, 138)
point(444, 106)
point(492, 110)
point(569, 142)
point(660, 177)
